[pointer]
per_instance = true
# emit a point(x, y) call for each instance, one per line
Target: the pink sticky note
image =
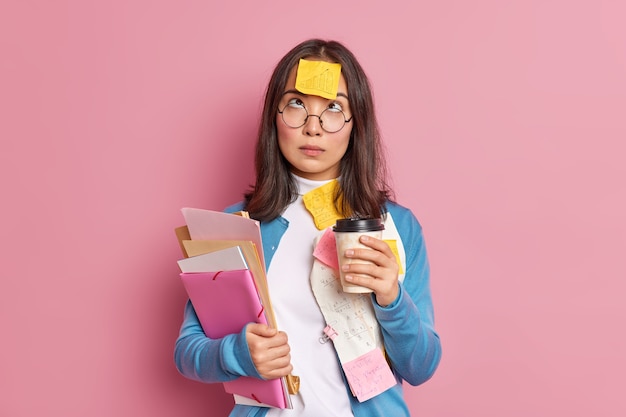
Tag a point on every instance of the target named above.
point(326, 249)
point(369, 375)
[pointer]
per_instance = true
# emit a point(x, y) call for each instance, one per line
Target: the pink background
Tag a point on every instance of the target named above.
point(505, 127)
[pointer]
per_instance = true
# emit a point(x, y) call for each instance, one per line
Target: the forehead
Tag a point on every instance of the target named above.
point(291, 81)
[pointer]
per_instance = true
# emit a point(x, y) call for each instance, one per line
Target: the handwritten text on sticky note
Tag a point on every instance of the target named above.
point(320, 203)
point(369, 375)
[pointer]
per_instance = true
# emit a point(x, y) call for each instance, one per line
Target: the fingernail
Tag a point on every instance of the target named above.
point(349, 252)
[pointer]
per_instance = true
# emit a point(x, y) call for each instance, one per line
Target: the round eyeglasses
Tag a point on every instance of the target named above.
point(295, 115)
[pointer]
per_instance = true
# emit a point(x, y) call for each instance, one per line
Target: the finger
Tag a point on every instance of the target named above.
point(372, 276)
point(280, 353)
point(363, 281)
point(386, 290)
point(364, 269)
point(263, 344)
point(275, 370)
point(278, 340)
point(273, 354)
point(371, 255)
point(274, 362)
point(377, 244)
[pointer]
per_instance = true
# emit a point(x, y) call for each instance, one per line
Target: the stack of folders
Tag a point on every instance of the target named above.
point(226, 283)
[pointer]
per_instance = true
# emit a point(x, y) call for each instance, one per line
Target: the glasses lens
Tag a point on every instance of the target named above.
point(294, 116)
point(332, 120)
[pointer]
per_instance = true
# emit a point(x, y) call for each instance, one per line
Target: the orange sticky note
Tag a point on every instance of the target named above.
point(319, 78)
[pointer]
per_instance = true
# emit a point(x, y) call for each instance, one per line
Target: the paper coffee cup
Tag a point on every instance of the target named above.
point(347, 234)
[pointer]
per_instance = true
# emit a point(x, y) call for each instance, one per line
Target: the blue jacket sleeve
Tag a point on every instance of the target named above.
point(211, 360)
point(204, 359)
point(410, 339)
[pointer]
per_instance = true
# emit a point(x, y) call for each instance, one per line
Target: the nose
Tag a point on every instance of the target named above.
point(313, 125)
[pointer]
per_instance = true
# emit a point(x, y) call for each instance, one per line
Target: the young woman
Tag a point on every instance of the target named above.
point(306, 141)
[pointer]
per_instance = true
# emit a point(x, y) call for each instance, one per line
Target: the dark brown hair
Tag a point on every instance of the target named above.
point(363, 184)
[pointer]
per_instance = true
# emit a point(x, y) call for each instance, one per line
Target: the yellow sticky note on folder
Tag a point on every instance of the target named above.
point(318, 78)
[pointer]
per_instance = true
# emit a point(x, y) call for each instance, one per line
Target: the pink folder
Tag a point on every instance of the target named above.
point(225, 302)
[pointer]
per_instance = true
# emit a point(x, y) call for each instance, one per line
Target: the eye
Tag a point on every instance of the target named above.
point(336, 107)
point(296, 103)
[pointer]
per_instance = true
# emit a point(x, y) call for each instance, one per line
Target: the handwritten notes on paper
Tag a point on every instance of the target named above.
point(351, 315)
point(358, 339)
point(320, 203)
point(369, 375)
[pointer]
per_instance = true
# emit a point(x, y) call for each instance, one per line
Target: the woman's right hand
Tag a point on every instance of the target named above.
point(269, 350)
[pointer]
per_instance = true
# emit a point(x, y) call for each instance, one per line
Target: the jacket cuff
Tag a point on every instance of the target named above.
point(236, 355)
point(391, 307)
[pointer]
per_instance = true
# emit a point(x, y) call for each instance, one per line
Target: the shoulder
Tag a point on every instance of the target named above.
point(234, 207)
point(402, 216)
point(407, 225)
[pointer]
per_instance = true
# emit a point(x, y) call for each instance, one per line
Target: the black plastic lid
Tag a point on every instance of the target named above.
point(358, 225)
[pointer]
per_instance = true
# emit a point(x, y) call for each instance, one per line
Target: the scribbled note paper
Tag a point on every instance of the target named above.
point(320, 78)
point(326, 250)
point(320, 203)
point(369, 375)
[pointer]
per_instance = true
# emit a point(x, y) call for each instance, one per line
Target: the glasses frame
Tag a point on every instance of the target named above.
point(319, 117)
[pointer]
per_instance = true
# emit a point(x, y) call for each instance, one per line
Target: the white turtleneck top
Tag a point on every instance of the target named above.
point(322, 390)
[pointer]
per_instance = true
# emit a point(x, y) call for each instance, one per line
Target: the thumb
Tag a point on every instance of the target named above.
point(261, 330)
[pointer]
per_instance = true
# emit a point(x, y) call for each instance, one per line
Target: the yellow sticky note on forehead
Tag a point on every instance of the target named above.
point(319, 78)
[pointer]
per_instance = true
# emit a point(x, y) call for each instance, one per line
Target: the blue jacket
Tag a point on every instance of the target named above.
point(411, 343)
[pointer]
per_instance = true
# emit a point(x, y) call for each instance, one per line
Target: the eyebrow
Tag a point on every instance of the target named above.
point(302, 94)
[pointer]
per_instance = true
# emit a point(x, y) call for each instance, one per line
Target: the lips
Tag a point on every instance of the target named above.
point(311, 150)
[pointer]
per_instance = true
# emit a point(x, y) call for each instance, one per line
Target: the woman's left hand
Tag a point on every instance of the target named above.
point(381, 275)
